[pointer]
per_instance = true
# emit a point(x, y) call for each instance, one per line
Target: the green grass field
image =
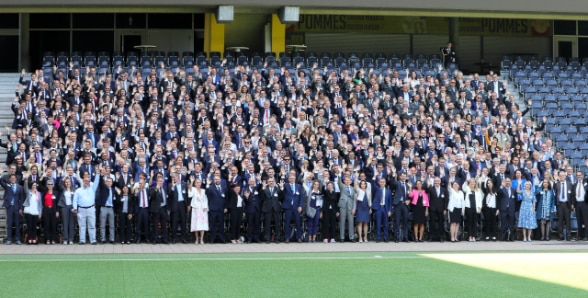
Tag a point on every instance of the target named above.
point(293, 275)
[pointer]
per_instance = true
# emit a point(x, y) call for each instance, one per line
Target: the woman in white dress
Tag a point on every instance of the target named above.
point(199, 205)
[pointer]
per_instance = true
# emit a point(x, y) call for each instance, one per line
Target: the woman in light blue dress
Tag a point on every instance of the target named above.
point(527, 216)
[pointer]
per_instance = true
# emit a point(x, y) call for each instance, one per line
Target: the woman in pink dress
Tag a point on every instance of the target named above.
point(199, 205)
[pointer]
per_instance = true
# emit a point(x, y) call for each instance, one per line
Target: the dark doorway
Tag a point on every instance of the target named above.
point(564, 49)
point(9, 48)
point(127, 43)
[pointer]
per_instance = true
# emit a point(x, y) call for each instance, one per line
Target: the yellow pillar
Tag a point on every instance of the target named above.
point(214, 34)
point(278, 35)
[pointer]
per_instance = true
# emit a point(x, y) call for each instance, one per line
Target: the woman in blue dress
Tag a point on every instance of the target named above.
point(363, 209)
point(527, 217)
point(545, 208)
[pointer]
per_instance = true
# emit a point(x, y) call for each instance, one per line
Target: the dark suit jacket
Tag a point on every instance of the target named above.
point(377, 195)
point(254, 200)
point(173, 196)
point(504, 200)
point(132, 207)
point(438, 203)
point(9, 194)
point(400, 195)
point(271, 203)
point(217, 200)
point(331, 200)
point(569, 193)
point(156, 199)
point(102, 193)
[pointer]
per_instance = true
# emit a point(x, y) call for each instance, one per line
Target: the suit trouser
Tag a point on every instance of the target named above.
point(12, 218)
point(159, 220)
point(68, 223)
point(345, 215)
point(32, 221)
point(401, 221)
point(143, 224)
point(437, 223)
point(179, 215)
point(236, 218)
point(124, 227)
point(50, 223)
point(216, 222)
point(582, 217)
point(329, 223)
point(507, 220)
point(563, 215)
point(490, 221)
point(381, 219)
point(87, 219)
point(314, 222)
point(268, 218)
point(106, 213)
point(472, 222)
point(253, 228)
point(290, 214)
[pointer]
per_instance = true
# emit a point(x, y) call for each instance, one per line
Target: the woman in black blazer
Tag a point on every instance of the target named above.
point(236, 204)
point(330, 212)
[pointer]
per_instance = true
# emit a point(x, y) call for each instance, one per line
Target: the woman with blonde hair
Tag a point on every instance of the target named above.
point(473, 207)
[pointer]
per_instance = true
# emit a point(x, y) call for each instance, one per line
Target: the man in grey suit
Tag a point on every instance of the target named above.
point(346, 205)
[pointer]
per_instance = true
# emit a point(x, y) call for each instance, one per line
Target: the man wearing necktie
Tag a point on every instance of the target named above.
point(178, 207)
point(382, 206)
point(271, 209)
point(217, 207)
point(438, 201)
point(106, 197)
point(292, 206)
point(400, 204)
point(251, 194)
point(581, 207)
point(142, 228)
point(564, 201)
point(158, 207)
point(507, 201)
point(13, 200)
point(346, 205)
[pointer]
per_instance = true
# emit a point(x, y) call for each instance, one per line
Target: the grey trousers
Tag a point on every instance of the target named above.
point(106, 213)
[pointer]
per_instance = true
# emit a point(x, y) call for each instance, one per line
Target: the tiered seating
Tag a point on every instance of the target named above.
point(558, 90)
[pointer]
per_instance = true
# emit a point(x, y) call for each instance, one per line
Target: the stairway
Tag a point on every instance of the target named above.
point(8, 82)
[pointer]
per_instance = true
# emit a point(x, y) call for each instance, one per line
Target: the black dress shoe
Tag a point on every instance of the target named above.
point(342, 241)
point(93, 243)
point(386, 240)
point(173, 241)
point(406, 240)
point(396, 241)
point(184, 241)
point(377, 241)
point(103, 242)
point(441, 240)
point(353, 240)
point(286, 241)
point(111, 242)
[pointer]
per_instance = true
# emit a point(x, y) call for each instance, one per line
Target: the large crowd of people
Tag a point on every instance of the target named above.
point(271, 155)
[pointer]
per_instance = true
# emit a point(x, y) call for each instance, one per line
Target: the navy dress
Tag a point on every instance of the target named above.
point(363, 210)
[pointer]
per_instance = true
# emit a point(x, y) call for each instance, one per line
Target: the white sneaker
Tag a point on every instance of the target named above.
point(71, 242)
point(365, 241)
point(360, 241)
point(333, 240)
point(64, 242)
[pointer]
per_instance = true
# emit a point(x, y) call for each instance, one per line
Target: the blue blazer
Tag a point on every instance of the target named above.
point(9, 194)
point(377, 195)
point(254, 200)
point(217, 200)
point(400, 195)
point(293, 199)
point(504, 200)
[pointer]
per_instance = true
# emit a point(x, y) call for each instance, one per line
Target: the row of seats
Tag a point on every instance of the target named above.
point(533, 63)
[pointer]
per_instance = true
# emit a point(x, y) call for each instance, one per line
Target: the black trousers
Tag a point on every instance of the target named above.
point(582, 217)
point(329, 227)
point(179, 216)
point(160, 220)
point(216, 222)
point(50, 223)
point(490, 221)
point(437, 223)
point(12, 219)
point(268, 218)
point(236, 218)
point(507, 219)
point(32, 221)
point(124, 227)
point(563, 218)
point(472, 222)
point(143, 224)
point(401, 221)
point(253, 226)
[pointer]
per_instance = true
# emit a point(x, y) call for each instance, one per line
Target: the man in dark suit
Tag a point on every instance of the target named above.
point(252, 196)
point(105, 197)
point(272, 197)
point(13, 199)
point(382, 206)
point(142, 229)
point(292, 206)
point(159, 209)
point(217, 206)
point(438, 200)
point(507, 204)
point(178, 207)
point(580, 191)
point(125, 208)
point(400, 203)
point(564, 201)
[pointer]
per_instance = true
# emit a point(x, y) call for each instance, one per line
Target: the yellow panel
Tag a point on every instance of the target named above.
point(278, 35)
point(214, 34)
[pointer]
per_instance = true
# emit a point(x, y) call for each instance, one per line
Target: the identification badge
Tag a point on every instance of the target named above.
point(255, 193)
point(223, 195)
point(297, 193)
point(275, 195)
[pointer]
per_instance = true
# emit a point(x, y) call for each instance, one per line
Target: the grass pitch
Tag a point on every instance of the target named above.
point(297, 275)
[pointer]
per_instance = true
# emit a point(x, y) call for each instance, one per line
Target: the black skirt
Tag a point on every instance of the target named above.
point(455, 215)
